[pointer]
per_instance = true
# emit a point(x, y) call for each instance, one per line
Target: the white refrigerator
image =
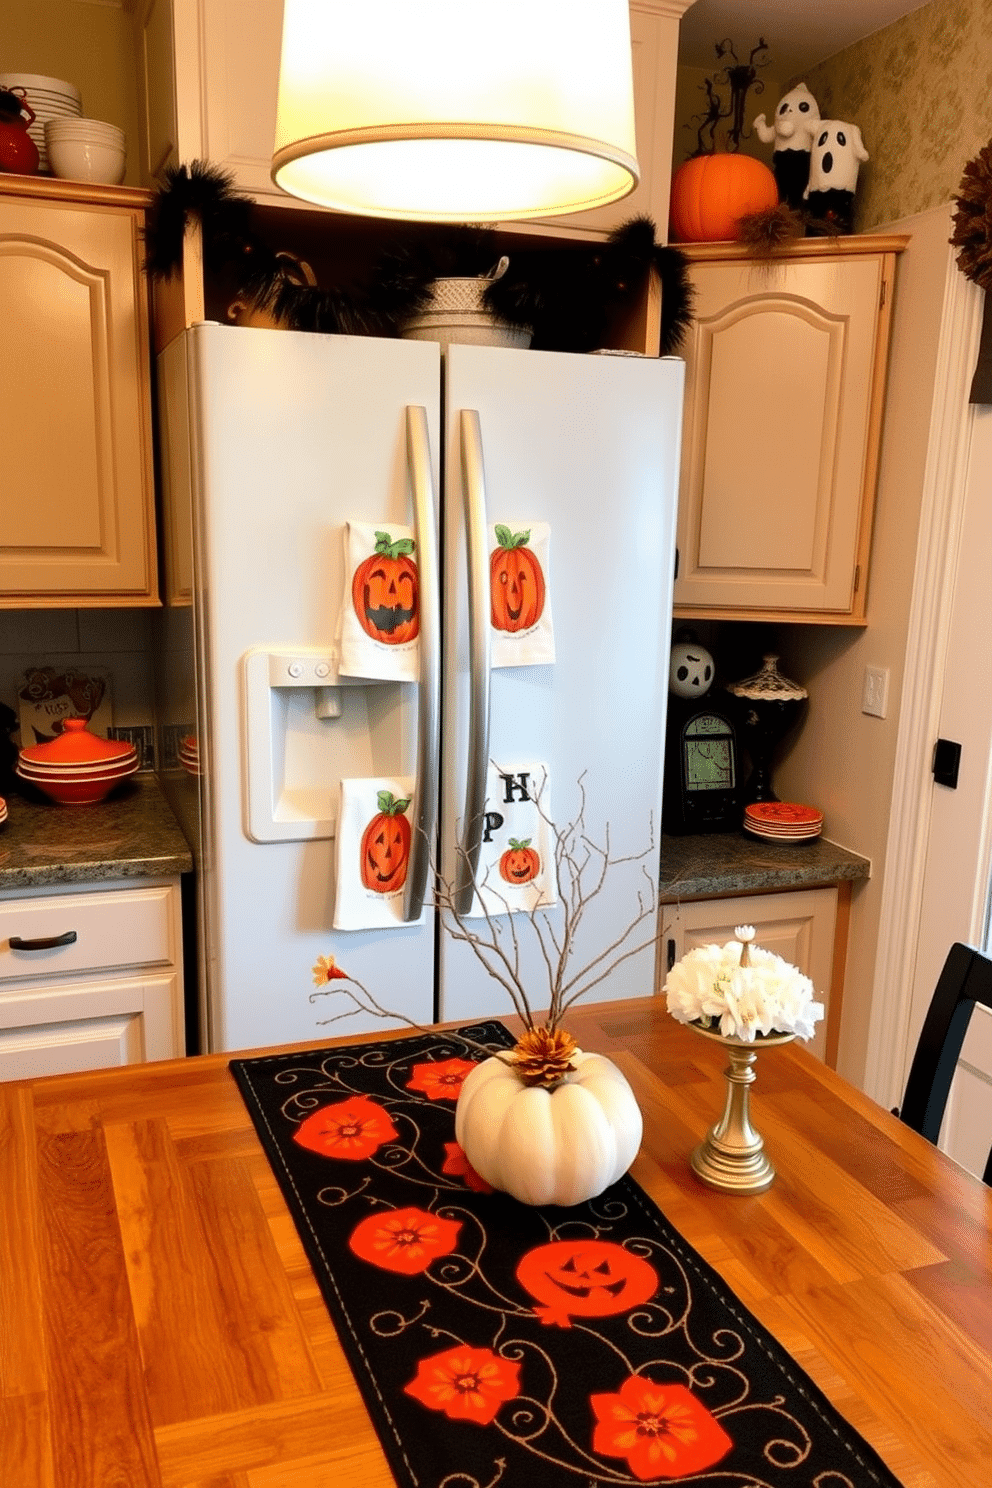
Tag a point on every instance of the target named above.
point(276, 441)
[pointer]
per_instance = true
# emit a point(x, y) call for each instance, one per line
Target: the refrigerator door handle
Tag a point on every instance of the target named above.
point(418, 451)
point(477, 543)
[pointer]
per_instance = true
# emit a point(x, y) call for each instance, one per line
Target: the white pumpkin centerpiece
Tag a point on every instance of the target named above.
point(546, 1122)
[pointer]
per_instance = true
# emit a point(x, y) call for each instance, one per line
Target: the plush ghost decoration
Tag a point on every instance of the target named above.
point(690, 671)
point(835, 160)
point(791, 131)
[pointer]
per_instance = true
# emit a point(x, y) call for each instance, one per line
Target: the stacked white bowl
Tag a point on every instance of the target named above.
point(85, 150)
point(49, 98)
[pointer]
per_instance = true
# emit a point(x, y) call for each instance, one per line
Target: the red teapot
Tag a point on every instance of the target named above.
point(18, 151)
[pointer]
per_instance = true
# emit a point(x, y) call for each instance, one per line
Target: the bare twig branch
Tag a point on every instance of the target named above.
point(375, 1008)
point(496, 936)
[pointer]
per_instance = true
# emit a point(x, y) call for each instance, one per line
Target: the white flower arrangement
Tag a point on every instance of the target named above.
point(741, 991)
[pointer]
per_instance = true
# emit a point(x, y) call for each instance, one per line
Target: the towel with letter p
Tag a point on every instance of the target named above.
point(517, 866)
point(372, 852)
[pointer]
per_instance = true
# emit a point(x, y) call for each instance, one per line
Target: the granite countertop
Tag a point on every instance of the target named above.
point(133, 834)
point(698, 867)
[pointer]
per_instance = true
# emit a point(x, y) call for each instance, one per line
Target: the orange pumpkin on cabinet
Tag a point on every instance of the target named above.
point(710, 194)
point(516, 582)
point(386, 846)
point(520, 863)
point(385, 591)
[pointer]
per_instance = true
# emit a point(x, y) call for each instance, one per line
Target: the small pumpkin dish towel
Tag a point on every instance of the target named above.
point(517, 858)
point(380, 608)
point(519, 576)
point(372, 852)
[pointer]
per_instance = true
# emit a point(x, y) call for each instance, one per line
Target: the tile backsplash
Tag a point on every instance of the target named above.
point(114, 641)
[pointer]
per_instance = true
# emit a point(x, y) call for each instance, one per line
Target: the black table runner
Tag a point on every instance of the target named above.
point(495, 1343)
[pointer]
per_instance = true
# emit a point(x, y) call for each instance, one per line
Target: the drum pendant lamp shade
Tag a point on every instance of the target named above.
point(455, 110)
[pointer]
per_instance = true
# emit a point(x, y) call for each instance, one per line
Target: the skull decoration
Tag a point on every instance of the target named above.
point(691, 670)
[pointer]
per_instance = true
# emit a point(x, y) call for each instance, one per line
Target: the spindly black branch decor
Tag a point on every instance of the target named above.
point(566, 296)
point(739, 78)
point(972, 236)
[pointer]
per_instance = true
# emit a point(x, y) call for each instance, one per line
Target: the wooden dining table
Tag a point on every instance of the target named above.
point(160, 1323)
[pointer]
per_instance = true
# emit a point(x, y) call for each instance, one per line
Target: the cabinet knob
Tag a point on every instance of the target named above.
point(43, 942)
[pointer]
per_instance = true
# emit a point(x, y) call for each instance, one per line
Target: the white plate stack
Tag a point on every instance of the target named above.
point(50, 98)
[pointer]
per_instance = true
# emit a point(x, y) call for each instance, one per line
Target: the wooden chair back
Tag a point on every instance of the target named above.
point(966, 979)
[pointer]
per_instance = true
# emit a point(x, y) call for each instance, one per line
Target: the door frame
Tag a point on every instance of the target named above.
point(942, 514)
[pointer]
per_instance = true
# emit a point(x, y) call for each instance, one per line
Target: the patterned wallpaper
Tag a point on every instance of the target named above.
point(921, 93)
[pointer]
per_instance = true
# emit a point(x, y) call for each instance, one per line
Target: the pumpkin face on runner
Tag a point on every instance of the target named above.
point(585, 1278)
point(385, 591)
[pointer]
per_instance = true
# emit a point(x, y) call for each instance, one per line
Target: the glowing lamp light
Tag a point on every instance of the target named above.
point(455, 110)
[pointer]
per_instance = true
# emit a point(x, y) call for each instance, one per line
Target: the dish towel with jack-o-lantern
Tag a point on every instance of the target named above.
point(380, 608)
point(519, 577)
point(517, 858)
point(374, 837)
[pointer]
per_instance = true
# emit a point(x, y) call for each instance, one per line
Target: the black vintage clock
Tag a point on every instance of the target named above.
point(702, 791)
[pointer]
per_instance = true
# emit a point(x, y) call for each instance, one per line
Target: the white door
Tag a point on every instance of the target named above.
point(956, 885)
point(590, 446)
point(294, 435)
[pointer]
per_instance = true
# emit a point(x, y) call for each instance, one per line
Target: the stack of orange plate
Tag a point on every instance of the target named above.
point(783, 821)
point(3, 811)
point(77, 767)
point(189, 754)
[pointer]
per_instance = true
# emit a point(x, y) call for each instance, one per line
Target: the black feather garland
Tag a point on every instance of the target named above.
point(565, 296)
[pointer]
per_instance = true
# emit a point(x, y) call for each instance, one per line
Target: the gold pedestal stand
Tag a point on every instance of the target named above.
point(731, 1157)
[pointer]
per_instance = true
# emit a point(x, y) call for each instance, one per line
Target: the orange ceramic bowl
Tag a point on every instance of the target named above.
point(82, 791)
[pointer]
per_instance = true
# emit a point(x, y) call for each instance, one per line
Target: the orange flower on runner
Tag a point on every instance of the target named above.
point(467, 1384)
point(662, 1430)
point(404, 1240)
point(352, 1129)
point(440, 1079)
point(327, 970)
point(458, 1165)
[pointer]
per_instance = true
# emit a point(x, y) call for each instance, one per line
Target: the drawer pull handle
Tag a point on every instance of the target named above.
point(43, 942)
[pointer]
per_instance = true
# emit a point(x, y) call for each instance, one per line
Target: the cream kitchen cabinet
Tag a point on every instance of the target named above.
point(785, 382)
point(77, 523)
point(90, 979)
point(807, 927)
point(209, 76)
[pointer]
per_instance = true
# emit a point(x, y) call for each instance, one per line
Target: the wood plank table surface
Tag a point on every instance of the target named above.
point(160, 1325)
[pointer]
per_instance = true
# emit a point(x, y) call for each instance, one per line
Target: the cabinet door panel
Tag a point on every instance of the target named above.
point(60, 1027)
point(741, 516)
point(776, 456)
point(69, 1048)
point(74, 407)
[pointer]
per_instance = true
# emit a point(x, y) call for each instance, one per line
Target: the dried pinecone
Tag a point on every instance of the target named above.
point(972, 234)
point(542, 1056)
point(761, 233)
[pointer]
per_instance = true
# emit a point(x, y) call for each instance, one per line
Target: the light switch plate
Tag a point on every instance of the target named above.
point(875, 693)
